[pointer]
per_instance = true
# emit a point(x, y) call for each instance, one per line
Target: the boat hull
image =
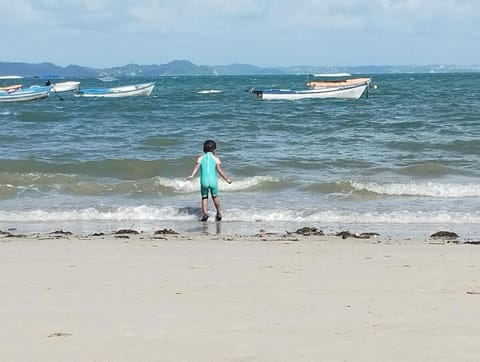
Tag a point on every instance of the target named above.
point(319, 84)
point(26, 94)
point(2, 77)
point(349, 92)
point(144, 89)
point(65, 86)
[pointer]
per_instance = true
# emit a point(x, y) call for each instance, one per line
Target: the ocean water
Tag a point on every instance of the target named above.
point(403, 162)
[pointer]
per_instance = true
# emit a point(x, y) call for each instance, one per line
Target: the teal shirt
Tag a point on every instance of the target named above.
point(208, 171)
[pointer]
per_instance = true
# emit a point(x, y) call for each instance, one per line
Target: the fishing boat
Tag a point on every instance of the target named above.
point(65, 86)
point(10, 88)
point(107, 78)
point(144, 89)
point(34, 92)
point(334, 80)
point(354, 91)
point(2, 77)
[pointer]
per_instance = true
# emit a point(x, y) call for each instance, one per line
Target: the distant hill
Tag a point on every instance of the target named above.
point(185, 67)
point(30, 70)
point(177, 67)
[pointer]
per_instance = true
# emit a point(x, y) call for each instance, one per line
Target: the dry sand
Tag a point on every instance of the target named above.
point(237, 298)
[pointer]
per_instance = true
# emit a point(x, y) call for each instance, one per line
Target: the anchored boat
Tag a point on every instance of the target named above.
point(65, 86)
point(144, 89)
point(334, 80)
point(35, 92)
point(10, 88)
point(354, 91)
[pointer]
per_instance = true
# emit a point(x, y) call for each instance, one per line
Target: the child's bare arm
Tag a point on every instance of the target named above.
point(195, 170)
point(221, 173)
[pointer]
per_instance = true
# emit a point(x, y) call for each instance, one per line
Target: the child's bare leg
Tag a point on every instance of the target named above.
point(204, 209)
point(216, 202)
point(204, 205)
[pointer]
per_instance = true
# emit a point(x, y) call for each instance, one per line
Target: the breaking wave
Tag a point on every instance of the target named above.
point(170, 213)
point(210, 91)
point(427, 189)
point(14, 184)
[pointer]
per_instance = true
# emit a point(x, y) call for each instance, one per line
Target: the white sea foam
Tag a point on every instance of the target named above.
point(340, 216)
point(210, 91)
point(37, 182)
point(428, 189)
point(169, 213)
point(93, 214)
point(178, 185)
point(184, 186)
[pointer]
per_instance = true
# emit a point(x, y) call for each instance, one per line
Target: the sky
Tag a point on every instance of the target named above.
point(108, 33)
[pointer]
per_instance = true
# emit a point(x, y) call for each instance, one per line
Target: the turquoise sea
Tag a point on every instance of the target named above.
point(404, 161)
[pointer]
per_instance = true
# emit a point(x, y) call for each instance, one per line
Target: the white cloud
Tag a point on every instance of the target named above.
point(265, 32)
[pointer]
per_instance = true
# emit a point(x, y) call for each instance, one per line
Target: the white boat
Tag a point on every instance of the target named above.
point(11, 88)
point(334, 80)
point(32, 93)
point(332, 75)
point(354, 91)
point(107, 78)
point(65, 86)
point(2, 77)
point(144, 89)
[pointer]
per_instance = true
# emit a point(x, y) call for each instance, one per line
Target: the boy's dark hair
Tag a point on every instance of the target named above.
point(209, 146)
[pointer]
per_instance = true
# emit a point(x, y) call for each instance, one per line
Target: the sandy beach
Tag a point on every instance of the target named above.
point(265, 297)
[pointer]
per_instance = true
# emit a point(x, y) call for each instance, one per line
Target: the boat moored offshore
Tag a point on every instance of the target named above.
point(144, 89)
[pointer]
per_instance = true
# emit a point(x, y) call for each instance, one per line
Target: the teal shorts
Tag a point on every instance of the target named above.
point(204, 190)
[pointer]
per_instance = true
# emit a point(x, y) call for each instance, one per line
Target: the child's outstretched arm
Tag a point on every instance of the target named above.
point(195, 169)
point(221, 173)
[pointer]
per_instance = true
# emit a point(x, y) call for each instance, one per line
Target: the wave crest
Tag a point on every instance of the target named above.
point(427, 189)
point(170, 213)
point(12, 184)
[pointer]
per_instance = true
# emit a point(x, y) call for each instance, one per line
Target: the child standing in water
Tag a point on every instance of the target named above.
point(209, 165)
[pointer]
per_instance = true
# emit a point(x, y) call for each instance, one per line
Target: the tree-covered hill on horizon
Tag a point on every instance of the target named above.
point(185, 67)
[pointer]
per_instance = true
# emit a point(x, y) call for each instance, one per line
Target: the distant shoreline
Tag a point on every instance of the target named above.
point(185, 67)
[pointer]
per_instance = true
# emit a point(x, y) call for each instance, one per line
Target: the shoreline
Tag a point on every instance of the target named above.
point(265, 297)
point(259, 230)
